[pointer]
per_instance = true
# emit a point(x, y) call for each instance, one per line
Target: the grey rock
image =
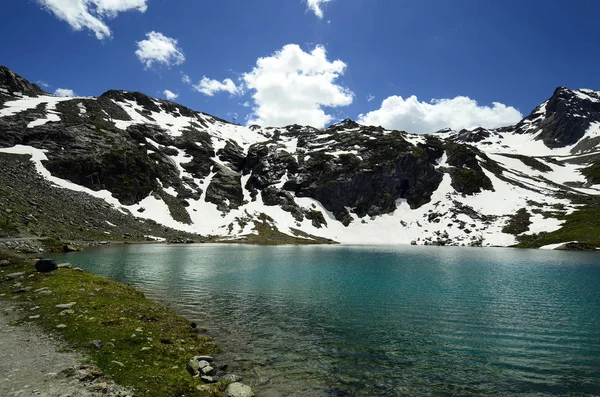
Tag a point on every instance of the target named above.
point(208, 379)
point(4, 263)
point(66, 312)
point(208, 370)
point(12, 276)
point(97, 343)
point(193, 367)
point(65, 266)
point(232, 378)
point(210, 359)
point(64, 306)
point(203, 363)
point(61, 326)
point(238, 389)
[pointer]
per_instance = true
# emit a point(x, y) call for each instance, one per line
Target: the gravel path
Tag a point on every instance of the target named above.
point(33, 363)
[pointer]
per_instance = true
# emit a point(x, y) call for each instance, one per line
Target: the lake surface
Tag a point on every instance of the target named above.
point(382, 321)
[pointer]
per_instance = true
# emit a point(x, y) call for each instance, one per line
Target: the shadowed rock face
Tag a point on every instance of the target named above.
point(568, 116)
point(351, 169)
point(12, 82)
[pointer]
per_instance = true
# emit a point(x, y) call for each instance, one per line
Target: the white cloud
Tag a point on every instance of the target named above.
point(291, 86)
point(186, 79)
point(91, 14)
point(64, 92)
point(424, 117)
point(315, 6)
point(170, 95)
point(158, 48)
point(370, 97)
point(210, 87)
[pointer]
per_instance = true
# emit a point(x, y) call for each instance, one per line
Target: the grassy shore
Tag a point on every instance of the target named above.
point(145, 345)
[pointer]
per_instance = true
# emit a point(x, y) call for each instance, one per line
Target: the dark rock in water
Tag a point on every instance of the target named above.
point(45, 265)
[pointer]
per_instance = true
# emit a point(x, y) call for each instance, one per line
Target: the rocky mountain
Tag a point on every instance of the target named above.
point(151, 160)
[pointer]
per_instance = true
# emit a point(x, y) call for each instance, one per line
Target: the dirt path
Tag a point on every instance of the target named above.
point(33, 363)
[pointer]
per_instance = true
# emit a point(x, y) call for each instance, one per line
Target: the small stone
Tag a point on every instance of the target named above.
point(232, 378)
point(97, 343)
point(238, 389)
point(202, 363)
point(120, 364)
point(34, 317)
point(193, 367)
point(12, 276)
point(208, 370)
point(65, 266)
point(139, 330)
point(34, 308)
point(41, 289)
point(66, 312)
point(4, 263)
point(78, 269)
point(145, 348)
point(61, 326)
point(65, 305)
point(208, 379)
point(45, 292)
point(205, 358)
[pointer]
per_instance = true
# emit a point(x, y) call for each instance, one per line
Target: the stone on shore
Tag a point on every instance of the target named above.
point(65, 306)
point(12, 276)
point(237, 389)
point(45, 265)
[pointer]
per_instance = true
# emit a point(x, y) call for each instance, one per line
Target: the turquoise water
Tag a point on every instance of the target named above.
point(382, 321)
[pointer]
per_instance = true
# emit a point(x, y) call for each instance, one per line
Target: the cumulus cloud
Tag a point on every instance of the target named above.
point(210, 87)
point(170, 95)
point(424, 117)
point(291, 86)
point(160, 49)
point(64, 92)
point(91, 14)
point(315, 6)
point(186, 79)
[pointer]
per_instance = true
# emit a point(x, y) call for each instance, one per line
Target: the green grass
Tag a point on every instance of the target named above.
point(582, 226)
point(518, 223)
point(113, 313)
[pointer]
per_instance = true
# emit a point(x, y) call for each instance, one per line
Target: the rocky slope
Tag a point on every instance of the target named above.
point(155, 160)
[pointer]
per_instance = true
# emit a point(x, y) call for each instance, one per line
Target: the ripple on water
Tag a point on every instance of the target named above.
point(382, 321)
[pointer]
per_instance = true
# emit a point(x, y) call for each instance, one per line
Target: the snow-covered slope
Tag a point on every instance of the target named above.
point(349, 183)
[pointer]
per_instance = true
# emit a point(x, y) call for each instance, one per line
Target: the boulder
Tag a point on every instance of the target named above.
point(237, 389)
point(45, 265)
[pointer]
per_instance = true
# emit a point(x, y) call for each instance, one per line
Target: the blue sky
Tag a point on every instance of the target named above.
point(378, 61)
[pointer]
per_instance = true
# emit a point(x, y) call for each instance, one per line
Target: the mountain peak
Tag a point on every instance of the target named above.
point(13, 83)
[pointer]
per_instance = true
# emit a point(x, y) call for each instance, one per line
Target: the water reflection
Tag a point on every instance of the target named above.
point(382, 321)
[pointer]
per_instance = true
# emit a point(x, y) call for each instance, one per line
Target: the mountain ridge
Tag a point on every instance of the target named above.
point(350, 183)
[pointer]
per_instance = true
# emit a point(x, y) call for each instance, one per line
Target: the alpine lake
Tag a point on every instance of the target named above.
point(381, 320)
